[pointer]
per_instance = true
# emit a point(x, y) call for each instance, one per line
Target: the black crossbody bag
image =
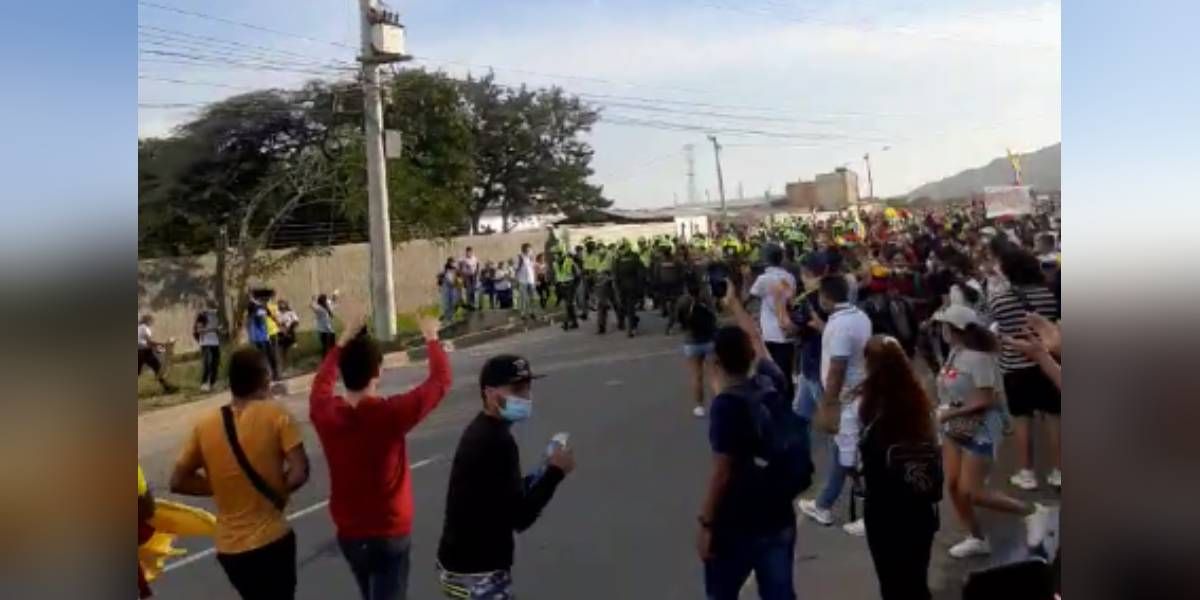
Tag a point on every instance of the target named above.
point(256, 480)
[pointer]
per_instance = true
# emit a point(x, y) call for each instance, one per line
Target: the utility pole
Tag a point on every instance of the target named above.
point(720, 177)
point(377, 25)
point(870, 181)
point(689, 152)
point(740, 196)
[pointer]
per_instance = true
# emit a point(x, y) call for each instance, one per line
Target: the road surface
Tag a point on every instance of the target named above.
point(622, 525)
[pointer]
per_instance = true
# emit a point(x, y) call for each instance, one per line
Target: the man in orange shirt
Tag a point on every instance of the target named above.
point(249, 457)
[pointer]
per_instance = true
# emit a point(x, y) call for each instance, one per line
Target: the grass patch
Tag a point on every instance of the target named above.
point(305, 356)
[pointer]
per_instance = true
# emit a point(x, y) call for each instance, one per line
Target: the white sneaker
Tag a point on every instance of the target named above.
point(1037, 525)
point(1024, 479)
point(204, 387)
point(1054, 478)
point(972, 546)
point(816, 513)
point(698, 412)
point(855, 528)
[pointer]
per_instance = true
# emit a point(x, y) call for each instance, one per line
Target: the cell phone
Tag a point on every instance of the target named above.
point(720, 287)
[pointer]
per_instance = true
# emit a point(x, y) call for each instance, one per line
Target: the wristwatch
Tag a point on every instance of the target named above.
point(704, 523)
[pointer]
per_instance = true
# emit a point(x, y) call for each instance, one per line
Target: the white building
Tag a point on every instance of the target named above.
point(493, 221)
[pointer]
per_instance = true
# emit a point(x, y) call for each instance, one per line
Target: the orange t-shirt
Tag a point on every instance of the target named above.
point(245, 519)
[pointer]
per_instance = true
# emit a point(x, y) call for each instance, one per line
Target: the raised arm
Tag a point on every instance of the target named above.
point(413, 406)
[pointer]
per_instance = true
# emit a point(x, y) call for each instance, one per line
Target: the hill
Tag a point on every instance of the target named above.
point(1041, 169)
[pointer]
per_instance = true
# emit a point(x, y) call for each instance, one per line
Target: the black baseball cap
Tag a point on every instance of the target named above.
point(505, 369)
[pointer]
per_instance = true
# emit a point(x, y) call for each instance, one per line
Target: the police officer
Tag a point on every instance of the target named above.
point(593, 258)
point(603, 291)
point(566, 276)
point(669, 276)
point(629, 274)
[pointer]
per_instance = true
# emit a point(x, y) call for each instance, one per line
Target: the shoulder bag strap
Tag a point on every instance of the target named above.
point(255, 479)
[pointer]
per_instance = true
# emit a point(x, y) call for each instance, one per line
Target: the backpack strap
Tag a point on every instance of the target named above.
point(255, 479)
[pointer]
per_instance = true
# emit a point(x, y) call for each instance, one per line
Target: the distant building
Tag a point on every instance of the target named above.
point(802, 195)
point(828, 192)
point(492, 221)
point(837, 190)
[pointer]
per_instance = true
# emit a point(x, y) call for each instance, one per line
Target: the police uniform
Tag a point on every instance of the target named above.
point(629, 274)
point(566, 277)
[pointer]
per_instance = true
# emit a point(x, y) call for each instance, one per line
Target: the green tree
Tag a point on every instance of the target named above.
point(225, 181)
point(529, 156)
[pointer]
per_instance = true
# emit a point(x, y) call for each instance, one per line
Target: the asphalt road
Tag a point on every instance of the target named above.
point(621, 526)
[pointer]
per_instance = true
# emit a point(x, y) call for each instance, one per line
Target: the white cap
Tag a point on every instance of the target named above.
point(957, 315)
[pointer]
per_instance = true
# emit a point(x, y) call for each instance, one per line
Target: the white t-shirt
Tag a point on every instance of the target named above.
point(469, 266)
point(845, 336)
point(144, 335)
point(768, 316)
point(525, 271)
point(504, 276)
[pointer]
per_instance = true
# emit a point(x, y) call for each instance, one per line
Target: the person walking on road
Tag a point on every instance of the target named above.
point(746, 522)
point(249, 456)
point(902, 470)
point(566, 276)
point(629, 274)
point(488, 499)
point(1028, 389)
point(148, 350)
point(843, 368)
point(971, 394)
point(779, 343)
point(699, 322)
point(363, 435)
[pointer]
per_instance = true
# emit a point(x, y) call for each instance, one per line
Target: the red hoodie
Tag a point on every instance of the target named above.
point(368, 460)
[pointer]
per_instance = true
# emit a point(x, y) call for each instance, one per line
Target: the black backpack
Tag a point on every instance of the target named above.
point(784, 454)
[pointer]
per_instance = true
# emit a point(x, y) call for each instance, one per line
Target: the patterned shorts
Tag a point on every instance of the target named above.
point(496, 585)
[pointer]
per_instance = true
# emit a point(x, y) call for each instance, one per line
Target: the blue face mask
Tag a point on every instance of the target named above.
point(516, 409)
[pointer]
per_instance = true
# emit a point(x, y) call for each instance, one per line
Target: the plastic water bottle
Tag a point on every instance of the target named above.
point(558, 441)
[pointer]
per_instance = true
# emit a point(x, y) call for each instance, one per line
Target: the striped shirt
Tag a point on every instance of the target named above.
point(1008, 311)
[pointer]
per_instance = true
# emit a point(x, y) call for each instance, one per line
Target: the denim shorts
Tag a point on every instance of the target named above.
point(985, 449)
point(698, 350)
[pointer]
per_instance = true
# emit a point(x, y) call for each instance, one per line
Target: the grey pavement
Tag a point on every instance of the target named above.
point(621, 526)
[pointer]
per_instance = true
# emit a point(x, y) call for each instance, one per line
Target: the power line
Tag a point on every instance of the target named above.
point(206, 16)
point(176, 34)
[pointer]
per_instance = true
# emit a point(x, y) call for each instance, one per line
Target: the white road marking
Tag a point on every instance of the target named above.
point(191, 558)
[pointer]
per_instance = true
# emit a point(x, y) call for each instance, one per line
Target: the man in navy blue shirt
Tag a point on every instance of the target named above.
point(743, 527)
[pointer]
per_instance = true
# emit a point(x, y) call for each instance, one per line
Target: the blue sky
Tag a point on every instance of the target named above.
point(946, 85)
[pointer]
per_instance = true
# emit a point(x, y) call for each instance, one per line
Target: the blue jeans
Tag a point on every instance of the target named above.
point(769, 556)
point(528, 297)
point(805, 404)
point(449, 303)
point(380, 566)
point(834, 481)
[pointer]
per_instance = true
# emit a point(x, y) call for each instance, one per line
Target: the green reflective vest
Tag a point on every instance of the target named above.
point(564, 270)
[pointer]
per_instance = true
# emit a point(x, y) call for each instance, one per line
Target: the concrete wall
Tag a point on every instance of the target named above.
point(173, 290)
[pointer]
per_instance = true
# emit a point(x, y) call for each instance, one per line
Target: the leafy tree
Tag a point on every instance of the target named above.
point(225, 181)
point(528, 155)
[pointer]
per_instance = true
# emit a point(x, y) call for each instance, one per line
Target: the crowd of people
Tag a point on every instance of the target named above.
point(914, 343)
point(271, 326)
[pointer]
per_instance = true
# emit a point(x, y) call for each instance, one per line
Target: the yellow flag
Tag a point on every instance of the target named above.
point(1016, 165)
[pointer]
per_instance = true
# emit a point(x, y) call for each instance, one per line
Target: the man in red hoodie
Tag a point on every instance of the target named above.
point(363, 435)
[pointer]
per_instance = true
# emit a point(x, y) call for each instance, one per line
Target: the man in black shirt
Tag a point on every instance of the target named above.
point(745, 525)
point(487, 498)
